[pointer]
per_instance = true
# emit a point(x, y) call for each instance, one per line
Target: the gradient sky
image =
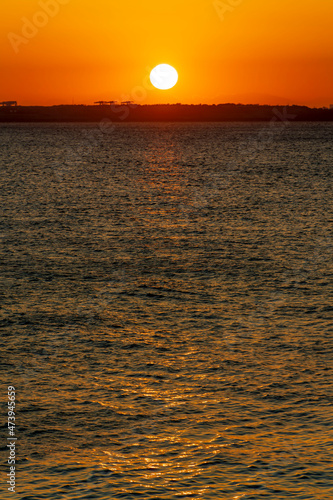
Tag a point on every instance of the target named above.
point(257, 51)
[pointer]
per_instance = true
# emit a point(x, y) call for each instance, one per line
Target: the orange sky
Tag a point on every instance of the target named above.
point(259, 51)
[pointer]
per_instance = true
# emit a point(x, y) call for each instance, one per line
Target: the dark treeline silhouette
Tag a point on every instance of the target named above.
point(163, 112)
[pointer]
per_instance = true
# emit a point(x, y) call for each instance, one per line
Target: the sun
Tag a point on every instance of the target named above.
point(164, 77)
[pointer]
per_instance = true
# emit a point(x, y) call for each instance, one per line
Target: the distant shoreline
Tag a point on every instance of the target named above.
point(131, 112)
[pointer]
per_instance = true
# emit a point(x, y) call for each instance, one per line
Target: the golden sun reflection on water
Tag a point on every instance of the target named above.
point(181, 305)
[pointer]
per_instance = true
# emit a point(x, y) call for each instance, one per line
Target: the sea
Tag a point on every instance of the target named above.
point(167, 310)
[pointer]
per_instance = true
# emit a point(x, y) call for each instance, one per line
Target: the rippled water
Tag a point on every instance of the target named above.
point(167, 318)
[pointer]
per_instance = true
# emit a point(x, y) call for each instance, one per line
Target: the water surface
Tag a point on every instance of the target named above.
point(167, 317)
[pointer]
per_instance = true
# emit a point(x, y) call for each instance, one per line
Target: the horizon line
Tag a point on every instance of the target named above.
point(14, 104)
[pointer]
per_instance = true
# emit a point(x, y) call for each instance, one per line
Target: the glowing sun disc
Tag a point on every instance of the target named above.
point(164, 77)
